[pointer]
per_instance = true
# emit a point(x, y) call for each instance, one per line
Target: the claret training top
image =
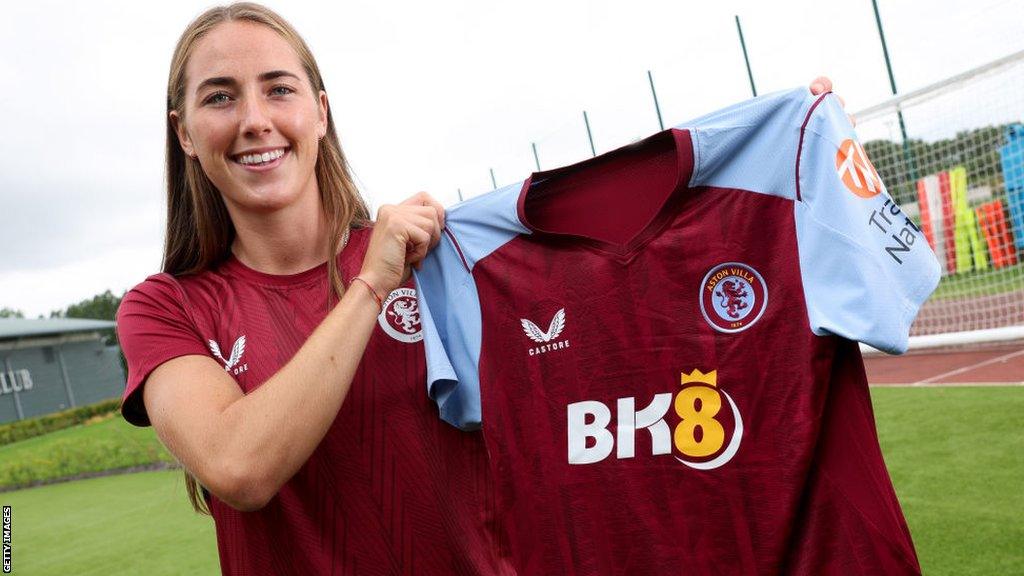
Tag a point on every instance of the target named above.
point(660, 347)
point(390, 489)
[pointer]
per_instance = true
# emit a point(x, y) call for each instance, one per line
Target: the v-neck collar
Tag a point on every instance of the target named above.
point(668, 209)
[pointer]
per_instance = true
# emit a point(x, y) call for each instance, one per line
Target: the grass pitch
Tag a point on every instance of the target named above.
point(118, 525)
point(983, 283)
point(956, 457)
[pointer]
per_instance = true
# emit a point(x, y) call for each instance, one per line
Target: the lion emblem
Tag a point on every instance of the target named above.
point(406, 314)
point(732, 297)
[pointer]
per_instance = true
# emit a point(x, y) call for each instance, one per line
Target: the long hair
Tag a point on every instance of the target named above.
point(199, 229)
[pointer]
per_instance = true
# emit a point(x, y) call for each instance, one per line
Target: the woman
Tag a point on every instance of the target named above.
point(247, 353)
point(277, 354)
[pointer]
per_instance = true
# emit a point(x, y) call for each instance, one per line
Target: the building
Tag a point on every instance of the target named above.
point(49, 365)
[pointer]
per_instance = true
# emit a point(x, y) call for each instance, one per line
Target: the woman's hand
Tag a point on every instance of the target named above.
point(822, 84)
point(402, 236)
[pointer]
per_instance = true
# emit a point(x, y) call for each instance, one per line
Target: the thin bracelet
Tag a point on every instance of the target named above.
point(376, 297)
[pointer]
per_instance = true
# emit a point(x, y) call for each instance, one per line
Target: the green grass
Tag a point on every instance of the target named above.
point(956, 457)
point(985, 283)
point(102, 445)
point(118, 525)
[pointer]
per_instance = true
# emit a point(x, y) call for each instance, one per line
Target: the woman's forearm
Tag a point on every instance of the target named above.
point(269, 434)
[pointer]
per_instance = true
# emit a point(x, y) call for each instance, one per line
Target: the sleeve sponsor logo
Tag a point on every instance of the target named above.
point(733, 296)
point(400, 316)
point(899, 230)
point(703, 436)
point(856, 171)
point(860, 177)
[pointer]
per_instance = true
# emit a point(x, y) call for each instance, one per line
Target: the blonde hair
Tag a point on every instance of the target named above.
point(199, 229)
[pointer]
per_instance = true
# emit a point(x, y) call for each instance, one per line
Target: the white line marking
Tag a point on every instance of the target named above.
point(1002, 358)
point(951, 385)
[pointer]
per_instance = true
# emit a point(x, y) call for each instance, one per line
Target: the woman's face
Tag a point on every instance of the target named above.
point(251, 117)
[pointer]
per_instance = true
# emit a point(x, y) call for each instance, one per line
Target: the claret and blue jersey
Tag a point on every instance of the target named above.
point(659, 344)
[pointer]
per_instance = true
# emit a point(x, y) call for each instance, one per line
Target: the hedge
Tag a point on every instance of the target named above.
point(25, 429)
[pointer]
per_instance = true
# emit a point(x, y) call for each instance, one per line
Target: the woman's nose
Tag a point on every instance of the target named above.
point(255, 119)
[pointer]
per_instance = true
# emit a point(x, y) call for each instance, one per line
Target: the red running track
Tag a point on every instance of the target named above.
point(1002, 364)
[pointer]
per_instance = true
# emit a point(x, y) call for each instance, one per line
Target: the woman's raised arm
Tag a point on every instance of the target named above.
point(243, 448)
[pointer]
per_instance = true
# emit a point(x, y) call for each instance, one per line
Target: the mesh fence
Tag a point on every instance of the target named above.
point(952, 155)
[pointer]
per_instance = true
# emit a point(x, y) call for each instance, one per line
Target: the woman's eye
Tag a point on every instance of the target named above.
point(281, 90)
point(217, 98)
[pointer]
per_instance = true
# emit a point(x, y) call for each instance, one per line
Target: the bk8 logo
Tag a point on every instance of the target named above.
point(704, 437)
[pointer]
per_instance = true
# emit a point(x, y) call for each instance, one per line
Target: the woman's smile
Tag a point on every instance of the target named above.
point(262, 159)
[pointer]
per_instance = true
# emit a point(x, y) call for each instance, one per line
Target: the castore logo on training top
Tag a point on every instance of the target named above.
point(232, 364)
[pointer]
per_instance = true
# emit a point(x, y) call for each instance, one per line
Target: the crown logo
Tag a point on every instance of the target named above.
point(711, 378)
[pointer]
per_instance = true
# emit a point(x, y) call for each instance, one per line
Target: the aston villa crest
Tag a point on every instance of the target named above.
point(400, 316)
point(733, 296)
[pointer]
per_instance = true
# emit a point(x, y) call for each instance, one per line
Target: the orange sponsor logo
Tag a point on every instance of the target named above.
point(856, 170)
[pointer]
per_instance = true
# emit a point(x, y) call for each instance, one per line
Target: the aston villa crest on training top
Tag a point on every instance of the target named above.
point(400, 316)
point(732, 297)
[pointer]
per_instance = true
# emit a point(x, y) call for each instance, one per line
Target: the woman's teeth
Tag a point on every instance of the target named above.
point(257, 159)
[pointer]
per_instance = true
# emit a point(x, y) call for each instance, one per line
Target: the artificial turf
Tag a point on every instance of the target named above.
point(980, 283)
point(956, 458)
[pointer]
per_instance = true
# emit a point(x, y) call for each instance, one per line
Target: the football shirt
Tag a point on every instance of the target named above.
point(389, 490)
point(659, 344)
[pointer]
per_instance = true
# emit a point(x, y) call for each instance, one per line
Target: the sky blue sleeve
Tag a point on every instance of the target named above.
point(866, 268)
point(450, 304)
point(451, 334)
point(750, 145)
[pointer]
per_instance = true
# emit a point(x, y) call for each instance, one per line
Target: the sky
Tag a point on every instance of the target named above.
point(426, 96)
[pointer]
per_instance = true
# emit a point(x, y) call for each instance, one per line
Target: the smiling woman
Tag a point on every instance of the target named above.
point(255, 131)
point(299, 415)
point(226, 93)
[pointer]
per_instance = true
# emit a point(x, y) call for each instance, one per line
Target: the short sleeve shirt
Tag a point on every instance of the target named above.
point(660, 347)
point(390, 489)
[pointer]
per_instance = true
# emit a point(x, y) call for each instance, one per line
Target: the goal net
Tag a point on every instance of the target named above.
point(952, 155)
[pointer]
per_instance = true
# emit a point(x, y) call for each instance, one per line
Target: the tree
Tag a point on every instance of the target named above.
point(6, 312)
point(977, 150)
point(99, 307)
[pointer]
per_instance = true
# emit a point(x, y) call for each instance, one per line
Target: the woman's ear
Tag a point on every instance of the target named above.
point(183, 138)
point(324, 107)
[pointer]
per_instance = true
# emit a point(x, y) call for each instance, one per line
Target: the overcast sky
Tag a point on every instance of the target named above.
point(426, 96)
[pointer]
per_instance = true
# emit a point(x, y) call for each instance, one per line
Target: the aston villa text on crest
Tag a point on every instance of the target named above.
point(725, 273)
